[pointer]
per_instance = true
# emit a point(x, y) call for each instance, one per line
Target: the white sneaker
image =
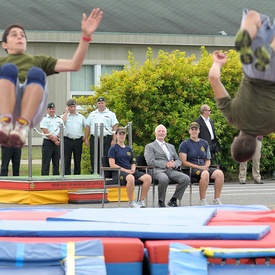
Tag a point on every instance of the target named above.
point(5, 128)
point(141, 204)
point(19, 135)
point(203, 202)
point(133, 204)
point(217, 201)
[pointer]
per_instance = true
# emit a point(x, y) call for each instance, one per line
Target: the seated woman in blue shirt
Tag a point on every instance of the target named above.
point(195, 152)
point(121, 156)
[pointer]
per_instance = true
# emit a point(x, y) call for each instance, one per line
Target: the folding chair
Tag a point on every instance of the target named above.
point(141, 162)
point(142, 166)
point(108, 179)
point(188, 171)
point(109, 182)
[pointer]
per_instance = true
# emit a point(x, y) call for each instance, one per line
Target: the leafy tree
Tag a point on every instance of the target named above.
point(169, 89)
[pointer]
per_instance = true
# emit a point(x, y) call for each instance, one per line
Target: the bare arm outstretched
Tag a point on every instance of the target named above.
point(219, 59)
point(88, 25)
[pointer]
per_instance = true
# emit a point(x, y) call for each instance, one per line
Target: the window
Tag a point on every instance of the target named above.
point(106, 69)
point(82, 80)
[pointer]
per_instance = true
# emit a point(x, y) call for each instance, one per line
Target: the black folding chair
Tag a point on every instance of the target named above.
point(150, 170)
point(188, 171)
point(109, 182)
point(143, 167)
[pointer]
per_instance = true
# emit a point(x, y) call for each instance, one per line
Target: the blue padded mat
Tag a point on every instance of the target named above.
point(236, 207)
point(143, 231)
point(180, 216)
point(144, 223)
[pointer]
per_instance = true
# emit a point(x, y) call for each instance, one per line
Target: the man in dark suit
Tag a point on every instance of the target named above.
point(207, 131)
point(164, 158)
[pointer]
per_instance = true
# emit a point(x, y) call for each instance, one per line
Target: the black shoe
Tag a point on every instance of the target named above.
point(161, 204)
point(258, 182)
point(172, 203)
point(263, 59)
point(243, 42)
point(242, 182)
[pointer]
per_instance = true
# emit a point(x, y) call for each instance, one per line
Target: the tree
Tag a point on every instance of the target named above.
point(168, 89)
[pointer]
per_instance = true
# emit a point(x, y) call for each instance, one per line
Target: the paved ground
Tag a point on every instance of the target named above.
point(34, 161)
point(233, 193)
point(25, 161)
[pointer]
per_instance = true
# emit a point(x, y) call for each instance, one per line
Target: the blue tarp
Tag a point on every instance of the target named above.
point(187, 260)
point(79, 258)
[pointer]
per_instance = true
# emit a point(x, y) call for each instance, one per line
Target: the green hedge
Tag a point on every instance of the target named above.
point(169, 89)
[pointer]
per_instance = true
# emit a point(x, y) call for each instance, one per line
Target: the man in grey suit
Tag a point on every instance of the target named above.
point(164, 158)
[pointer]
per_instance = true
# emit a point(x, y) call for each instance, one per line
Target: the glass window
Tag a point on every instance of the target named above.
point(83, 79)
point(88, 75)
point(108, 69)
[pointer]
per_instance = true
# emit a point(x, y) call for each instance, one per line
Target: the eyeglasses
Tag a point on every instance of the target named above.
point(207, 110)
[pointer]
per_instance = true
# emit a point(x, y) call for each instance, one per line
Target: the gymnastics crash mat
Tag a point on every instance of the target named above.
point(122, 256)
point(113, 194)
point(157, 251)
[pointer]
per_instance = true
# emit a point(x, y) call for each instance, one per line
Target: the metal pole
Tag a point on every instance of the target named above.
point(130, 134)
point(62, 159)
point(96, 148)
point(101, 147)
point(29, 155)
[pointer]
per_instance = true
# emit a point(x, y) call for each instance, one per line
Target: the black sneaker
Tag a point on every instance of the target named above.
point(263, 59)
point(243, 43)
point(172, 203)
point(161, 204)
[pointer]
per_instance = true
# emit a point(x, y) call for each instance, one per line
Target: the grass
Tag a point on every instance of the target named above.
point(24, 171)
point(36, 168)
point(36, 152)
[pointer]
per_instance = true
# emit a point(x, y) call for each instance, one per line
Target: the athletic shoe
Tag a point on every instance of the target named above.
point(217, 201)
point(19, 135)
point(243, 43)
point(258, 182)
point(203, 202)
point(263, 59)
point(133, 204)
point(172, 203)
point(141, 204)
point(5, 128)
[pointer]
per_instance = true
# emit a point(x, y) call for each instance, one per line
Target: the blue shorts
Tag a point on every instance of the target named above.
point(40, 112)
